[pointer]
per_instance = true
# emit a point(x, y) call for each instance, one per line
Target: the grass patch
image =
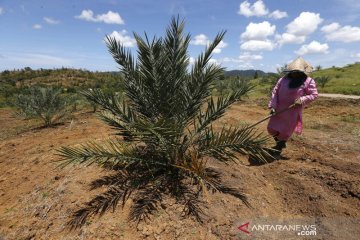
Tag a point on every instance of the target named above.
point(350, 119)
point(318, 124)
point(344, 80)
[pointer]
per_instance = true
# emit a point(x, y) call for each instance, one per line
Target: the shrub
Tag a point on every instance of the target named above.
point(322, 81)
point(165, 122)
point(221, 87)
point(239, 84)
point(42, 103)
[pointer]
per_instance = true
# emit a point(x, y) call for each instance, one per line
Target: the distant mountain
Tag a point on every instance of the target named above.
point(244, 73)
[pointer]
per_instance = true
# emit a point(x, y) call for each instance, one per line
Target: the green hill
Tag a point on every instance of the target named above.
point(70, 80)
point(243, 73)
point(344, 80)
point(66, 77)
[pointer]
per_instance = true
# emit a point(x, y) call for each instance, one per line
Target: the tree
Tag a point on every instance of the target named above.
point(164, 130)
point(256, 75)
point(322, 81)
point(239, 84)
point(318, 68)
point(43, 103)
point(221, 87)
point(280, 70)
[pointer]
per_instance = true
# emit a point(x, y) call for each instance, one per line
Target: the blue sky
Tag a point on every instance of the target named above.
point(260, 34)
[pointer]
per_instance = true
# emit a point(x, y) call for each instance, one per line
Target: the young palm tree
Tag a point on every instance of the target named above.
point(322, 81)
point(42, 103)
point(164, 128)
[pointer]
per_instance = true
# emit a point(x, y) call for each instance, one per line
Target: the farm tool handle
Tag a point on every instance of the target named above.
point(273, 114)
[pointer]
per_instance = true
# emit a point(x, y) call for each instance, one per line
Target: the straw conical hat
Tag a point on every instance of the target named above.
point(299, 64)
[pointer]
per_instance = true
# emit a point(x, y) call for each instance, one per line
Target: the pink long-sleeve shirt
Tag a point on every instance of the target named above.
point(284, 124)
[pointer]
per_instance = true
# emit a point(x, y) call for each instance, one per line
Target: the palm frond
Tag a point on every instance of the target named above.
point(113, 153)
point(199, 87)
point(122, 56)
point(216, 110)
point(123, 128)
point(111, 103)
point(224, 144)
point(203, 59)
point(199, 84)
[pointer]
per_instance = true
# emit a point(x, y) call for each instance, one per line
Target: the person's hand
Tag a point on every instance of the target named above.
point(272, 111)
point(298, 102)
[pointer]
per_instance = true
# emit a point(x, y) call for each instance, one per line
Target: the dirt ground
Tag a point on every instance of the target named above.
point(319, 183)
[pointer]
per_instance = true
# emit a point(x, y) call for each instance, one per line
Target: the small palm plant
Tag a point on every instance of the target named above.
point(165, 130)
point(42, 103)
point(221, 87)
point(240, 84)
point(318, 67)
point(322, 81)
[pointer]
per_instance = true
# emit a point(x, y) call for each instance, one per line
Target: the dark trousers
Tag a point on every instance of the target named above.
point(280, 144)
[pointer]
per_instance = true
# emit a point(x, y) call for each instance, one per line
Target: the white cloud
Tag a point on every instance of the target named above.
point(246, 66)
point(239, 63)
point(213, 61)
point(353, 55)
point(37, 26)
point(330, 27)
point(227, 59)
point(257, 45)
point(297, 30)
point(334, 32)
point(258, 31)
point(305, 24)
point(220, 46)
point(123, 38)
point(109, 18)
point(256, 35)
point(1, 10)
point(258, 9)
point(191, 60)
point(51, 20)
point(203, 40)
point(30, 59)
point(247, 57)
point(277, 14)
point(288, 38)
point(313, 48)
point(243, 58)
point(200, 39)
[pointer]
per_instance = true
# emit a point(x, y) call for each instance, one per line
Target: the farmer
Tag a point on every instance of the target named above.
point(297, 88)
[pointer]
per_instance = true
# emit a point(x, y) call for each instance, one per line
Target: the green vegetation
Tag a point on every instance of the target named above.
point(70, 81)
point(232, 84)
point(166, 121)
point(322, 81)
point(344, 80)
point(43, 103)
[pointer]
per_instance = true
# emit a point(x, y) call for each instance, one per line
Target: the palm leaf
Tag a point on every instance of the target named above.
point(224, 144)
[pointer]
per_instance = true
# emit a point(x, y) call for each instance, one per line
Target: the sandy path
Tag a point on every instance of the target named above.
point(335, 95)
